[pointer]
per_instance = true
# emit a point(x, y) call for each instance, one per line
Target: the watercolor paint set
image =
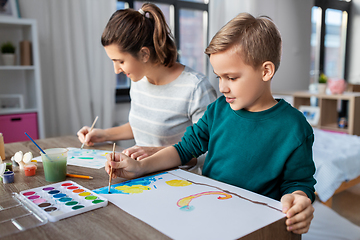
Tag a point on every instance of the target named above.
point(35, 207)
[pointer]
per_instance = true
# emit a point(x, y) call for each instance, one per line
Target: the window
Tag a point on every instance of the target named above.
point(329, 39)
point(188, 21)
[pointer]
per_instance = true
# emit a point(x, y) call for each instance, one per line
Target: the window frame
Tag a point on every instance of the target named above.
point(337, 5)
point(122, 95)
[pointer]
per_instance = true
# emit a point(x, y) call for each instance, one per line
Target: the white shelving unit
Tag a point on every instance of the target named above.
point(24, 80)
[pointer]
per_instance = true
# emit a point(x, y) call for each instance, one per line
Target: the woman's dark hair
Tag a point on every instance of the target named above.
point(131, 30)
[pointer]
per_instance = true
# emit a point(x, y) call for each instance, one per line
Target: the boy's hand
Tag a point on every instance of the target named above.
point(139, 152)
point(123, 166)
point(299, 211)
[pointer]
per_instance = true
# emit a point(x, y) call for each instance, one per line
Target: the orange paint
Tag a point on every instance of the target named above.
point(78, 190)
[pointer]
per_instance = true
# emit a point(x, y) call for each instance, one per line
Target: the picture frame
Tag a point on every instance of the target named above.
point(311, 113)
point(9, 9)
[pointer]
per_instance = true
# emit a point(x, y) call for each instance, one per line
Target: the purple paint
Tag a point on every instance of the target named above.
point(33, 197)
point(48, 189)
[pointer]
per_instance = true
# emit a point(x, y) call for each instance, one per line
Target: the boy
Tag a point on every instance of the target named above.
point(253, 141)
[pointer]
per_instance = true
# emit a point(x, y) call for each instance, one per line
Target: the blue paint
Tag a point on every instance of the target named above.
point(145, 181)
point(8, 177)
point(187, 208)
point(53, 192)
point(59, 195)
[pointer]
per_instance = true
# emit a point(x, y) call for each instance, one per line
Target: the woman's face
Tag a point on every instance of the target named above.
point(124, 62)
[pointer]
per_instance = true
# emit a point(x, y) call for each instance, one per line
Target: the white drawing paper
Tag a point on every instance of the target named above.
point(90, 158)
point(183, 205)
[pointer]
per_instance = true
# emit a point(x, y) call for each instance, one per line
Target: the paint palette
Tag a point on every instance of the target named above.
point(35, 207)
point(64, 199)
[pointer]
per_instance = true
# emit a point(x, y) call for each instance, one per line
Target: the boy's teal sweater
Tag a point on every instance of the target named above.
point(268, 152)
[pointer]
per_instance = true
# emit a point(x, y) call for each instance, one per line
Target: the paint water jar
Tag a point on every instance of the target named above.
point(8, 177)
point(54, 163)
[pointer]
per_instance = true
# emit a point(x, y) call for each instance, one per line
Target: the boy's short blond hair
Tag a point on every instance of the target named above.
point(257, 40)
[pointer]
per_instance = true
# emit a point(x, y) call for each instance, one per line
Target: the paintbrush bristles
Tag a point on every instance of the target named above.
point(111, 170)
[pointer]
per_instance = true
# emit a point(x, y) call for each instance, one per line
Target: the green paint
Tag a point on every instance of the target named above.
point(77, 207)
point(72, 203)
point(91, 197)
point(86, 158)
point(97, 201)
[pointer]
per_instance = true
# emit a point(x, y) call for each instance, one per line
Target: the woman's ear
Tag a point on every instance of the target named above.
point(144, 54)
point(268, 71)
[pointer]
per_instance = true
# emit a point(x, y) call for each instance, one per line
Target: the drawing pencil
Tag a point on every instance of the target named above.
point(78, 176)
point(91, 128)
point(111, 170)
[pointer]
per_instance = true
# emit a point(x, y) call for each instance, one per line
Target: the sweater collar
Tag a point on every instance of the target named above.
point(268, 113)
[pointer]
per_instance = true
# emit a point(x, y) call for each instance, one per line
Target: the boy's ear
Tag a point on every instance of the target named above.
point(268, 71)
point(144, 54)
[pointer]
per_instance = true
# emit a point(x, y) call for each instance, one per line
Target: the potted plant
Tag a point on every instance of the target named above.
point(322, 83)
point(8, 53)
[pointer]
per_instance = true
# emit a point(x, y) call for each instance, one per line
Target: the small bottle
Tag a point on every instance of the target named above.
point(2, 147)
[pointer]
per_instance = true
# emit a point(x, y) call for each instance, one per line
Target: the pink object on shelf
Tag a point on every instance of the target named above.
point(337, 86)
point(13, 126)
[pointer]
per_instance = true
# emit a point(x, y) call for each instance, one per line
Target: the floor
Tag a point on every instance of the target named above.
point(347, 204)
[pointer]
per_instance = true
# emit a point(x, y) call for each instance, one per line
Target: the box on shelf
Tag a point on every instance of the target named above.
point(11, 101)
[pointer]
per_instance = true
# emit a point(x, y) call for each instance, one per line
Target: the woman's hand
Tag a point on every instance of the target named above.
point(94, 136)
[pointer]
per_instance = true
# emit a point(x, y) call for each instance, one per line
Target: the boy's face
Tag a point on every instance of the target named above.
point(124, 62)
point(241, 84)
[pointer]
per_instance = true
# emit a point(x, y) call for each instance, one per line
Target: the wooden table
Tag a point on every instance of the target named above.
point(109, 222)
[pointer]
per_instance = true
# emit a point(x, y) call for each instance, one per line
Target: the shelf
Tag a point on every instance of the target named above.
point(17, 111)
point(24, 80)
point(17, 68)
point(329, 116)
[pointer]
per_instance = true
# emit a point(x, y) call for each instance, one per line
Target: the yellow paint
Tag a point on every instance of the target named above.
point(178, 183)
point(133, 188)
point(84, 194)
point(186, 200)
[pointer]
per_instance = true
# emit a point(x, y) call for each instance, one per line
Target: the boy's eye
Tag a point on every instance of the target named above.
point(230, 78)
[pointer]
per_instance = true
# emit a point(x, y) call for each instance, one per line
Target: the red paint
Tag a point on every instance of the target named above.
point(30, 170)
point(66, 184)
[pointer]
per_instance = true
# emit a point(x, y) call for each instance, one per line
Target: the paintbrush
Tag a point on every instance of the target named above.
point(111, 170)
point(92, 126)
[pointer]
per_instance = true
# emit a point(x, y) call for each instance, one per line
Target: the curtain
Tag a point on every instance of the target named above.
point(78, 81)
